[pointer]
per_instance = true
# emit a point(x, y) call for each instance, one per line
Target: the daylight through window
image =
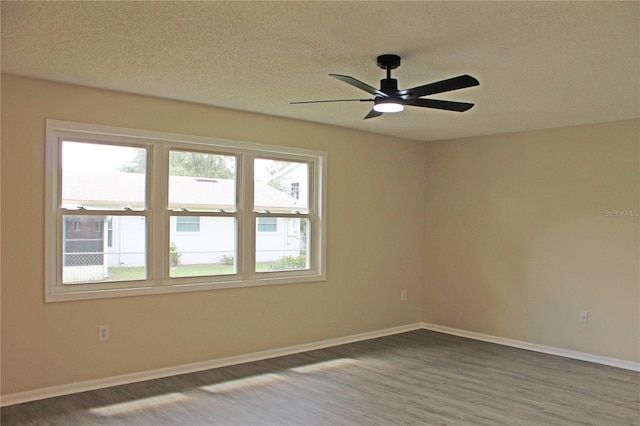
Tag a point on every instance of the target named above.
point(138, 212)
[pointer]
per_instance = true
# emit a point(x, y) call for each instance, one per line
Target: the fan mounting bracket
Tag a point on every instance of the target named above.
point(388, 62)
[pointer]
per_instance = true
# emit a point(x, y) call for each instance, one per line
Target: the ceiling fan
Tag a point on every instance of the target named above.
point(389, 99)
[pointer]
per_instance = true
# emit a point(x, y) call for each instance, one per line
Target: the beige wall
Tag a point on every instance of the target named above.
point(375, 231)
point(503, 235)
point(522, 234)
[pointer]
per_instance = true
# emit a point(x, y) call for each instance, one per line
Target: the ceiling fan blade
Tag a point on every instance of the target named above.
point(372, 114)
point(331, 100)
point(360, 85)
point(447, 85)
point(438, 104)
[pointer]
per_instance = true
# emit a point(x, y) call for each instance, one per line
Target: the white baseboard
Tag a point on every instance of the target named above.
point(89, 385)
point(614, 362)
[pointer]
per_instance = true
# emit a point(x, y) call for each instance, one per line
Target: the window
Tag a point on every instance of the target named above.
point(267, 224)
point(282, 213)
point(295, 190)
point(187, 224)
point(138, 212)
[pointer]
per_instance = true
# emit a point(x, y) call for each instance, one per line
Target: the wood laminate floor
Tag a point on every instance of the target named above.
point(415, 378)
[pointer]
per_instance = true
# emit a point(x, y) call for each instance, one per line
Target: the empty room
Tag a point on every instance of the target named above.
point(320, 213)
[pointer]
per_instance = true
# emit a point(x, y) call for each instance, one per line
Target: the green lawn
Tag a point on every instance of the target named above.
point(199, 270)
point(126, 274)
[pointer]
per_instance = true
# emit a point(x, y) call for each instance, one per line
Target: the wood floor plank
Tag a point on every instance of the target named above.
point(415, 378)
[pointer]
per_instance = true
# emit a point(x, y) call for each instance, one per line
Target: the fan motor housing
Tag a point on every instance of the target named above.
point(389, 86)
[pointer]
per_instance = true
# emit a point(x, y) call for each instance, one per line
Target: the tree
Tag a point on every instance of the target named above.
point(201, 165)
point(182, 163)
point(138, 163)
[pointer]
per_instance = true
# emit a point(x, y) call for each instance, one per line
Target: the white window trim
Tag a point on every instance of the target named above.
point(158, 215)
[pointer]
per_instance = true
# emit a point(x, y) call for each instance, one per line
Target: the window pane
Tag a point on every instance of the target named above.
point(103, 248)
point(281, 185)
point(285, 249)
point(98, 176)
point(201, 181)
point(212, 251)
point(267, 224)
point(187, 224)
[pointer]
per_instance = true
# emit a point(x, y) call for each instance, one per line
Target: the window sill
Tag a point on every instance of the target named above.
point(182, 287)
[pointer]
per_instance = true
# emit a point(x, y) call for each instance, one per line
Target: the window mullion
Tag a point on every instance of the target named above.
point(157, 202)
point(246, 226)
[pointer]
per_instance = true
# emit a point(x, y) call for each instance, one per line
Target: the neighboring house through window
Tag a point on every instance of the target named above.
point(295, 190)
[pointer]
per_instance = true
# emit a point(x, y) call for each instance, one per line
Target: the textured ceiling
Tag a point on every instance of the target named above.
point(540, 64)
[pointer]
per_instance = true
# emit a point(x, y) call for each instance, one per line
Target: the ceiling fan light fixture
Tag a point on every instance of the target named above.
point(388, 107)
point(389, 98)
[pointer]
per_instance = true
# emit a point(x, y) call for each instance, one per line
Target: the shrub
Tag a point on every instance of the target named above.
point(289, 262)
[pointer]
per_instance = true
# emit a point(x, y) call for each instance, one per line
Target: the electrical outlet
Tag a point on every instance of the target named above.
point(403, 295)
point(584, 316)
point(103, 333)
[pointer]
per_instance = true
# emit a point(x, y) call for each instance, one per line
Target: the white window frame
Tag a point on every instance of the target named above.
point(158, 215)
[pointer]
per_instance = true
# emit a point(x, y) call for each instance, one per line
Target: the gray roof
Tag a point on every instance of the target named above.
point(113, 189)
